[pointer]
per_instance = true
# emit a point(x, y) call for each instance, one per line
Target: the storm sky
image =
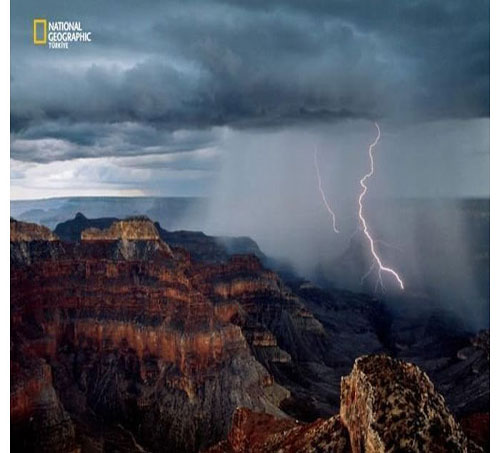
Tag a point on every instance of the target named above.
point(167, 93)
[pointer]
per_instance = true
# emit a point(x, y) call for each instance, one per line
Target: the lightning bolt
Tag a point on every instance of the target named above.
point(377, 260)
point(321, 191)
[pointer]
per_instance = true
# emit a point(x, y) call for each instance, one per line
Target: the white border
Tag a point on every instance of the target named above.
point(5, 225)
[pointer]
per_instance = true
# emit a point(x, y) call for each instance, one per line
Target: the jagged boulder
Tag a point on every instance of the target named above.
point(390, 405)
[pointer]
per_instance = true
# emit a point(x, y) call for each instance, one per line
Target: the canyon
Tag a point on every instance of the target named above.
point(129, 337)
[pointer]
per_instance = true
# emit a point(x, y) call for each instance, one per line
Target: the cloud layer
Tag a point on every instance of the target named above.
point(165, 77)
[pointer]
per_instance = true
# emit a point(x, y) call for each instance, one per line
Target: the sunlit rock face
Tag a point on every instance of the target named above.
point(26, 232)
point(138, 228)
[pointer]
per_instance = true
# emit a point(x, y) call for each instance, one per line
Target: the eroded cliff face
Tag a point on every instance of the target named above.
point(386, 406)
point(135, 332)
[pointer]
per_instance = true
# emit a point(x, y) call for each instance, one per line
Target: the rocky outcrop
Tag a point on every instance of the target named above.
point(389, 405)
point(27, 232)
point(386, 406)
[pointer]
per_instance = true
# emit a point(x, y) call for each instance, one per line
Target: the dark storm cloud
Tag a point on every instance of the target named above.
point(62, 140)
point(165, 66)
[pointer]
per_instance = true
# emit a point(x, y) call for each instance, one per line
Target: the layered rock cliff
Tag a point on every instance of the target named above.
point(129, 331)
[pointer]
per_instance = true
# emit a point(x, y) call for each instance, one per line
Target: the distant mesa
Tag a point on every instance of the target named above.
point(71, 230)
point(134, 228)
point(202, 248)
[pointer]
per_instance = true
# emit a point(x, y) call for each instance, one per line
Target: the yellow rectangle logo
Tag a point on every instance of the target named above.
point(36, 39)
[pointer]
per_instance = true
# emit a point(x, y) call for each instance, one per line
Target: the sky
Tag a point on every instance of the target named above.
point(209, 97)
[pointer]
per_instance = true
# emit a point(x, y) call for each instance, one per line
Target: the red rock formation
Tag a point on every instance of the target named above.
point(137, 331)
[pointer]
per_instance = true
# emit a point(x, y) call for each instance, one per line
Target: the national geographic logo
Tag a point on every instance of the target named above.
point(59, 34)
point(37, 25)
